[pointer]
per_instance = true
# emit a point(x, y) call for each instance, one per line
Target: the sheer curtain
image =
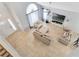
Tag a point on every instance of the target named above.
point(47, 15)
point(32, 12)
point(33, 17)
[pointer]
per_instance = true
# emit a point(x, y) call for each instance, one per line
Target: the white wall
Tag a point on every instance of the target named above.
point(70, 6)
point(69, 9)
point(5, 27)
point(18, 10)
point(71, 21)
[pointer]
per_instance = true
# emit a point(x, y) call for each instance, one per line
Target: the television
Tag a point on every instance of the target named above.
point(57, 18)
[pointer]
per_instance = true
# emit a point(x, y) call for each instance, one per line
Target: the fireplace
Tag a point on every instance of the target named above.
point(57, 18)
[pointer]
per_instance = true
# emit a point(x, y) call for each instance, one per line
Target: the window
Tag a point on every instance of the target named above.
point(46, 14)
point(32, 13)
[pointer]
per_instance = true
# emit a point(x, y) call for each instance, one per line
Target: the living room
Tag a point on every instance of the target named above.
point(39, 28)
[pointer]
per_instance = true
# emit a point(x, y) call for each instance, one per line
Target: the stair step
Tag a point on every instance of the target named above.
point(10, 55)
point(6, 54)
point(3, 52)
point(1, 47)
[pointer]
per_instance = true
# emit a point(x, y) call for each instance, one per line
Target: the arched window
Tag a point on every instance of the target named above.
point(32, 13)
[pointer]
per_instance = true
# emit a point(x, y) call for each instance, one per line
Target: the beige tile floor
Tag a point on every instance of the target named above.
point(26, 45)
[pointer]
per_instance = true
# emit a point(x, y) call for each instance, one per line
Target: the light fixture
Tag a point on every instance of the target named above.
point(9, 20)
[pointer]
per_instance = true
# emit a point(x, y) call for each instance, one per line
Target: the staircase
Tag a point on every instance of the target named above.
point(4, 52)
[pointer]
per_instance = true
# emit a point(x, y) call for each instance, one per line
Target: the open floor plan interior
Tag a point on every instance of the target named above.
point(39, 29)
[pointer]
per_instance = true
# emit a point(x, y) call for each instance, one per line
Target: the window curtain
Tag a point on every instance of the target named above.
point(47, 15)
point(33, 17)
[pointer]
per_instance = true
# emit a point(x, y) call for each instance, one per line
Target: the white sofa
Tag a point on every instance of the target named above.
point(42, 37)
